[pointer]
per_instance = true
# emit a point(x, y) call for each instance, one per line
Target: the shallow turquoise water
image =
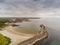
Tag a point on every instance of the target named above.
point(27, 27)
point(31, 27)
point(54, 43)
point(49, 42)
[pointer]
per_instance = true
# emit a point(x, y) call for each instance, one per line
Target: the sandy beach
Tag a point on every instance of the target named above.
point(15, 38)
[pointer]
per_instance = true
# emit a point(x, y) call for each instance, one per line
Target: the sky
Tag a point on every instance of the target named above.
point(26, 8)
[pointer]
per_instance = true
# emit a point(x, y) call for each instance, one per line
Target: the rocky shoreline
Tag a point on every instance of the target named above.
point(38, 37)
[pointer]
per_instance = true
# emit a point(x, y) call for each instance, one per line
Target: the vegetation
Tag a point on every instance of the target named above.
point(4, 40)
point(2, 22)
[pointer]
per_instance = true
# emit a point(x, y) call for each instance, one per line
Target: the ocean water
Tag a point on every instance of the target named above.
point(52, 26)
point(28, 27)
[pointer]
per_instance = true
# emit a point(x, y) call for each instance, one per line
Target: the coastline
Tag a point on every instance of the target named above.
point(35, 39)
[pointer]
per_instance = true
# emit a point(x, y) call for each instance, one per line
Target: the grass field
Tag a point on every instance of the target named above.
point(4, 40)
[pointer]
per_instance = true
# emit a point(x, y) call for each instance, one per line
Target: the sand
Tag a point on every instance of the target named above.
point(15, 39)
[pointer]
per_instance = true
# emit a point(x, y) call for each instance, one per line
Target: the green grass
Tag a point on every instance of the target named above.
point(4, 40)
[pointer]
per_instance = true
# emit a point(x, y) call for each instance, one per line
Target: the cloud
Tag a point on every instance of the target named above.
point(33, 4)
point(29, 7)
point(1, 1)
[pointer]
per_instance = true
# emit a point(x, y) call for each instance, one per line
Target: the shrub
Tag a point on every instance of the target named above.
point(4, 40)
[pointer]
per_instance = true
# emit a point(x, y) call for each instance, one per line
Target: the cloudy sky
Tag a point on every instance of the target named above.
point(29, 8)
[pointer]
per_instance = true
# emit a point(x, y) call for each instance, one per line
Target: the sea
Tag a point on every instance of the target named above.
point(52, 26)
